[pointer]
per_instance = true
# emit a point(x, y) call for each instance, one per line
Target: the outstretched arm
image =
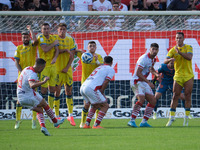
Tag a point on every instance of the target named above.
point(35, 84)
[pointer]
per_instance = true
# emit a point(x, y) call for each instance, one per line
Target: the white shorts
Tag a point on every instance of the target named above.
point(141, 88)
point(30, 100)
point(92, 96)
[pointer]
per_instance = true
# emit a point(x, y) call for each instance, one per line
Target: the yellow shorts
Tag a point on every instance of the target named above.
point(181, 80)
point(65, 78)
point(50, 72)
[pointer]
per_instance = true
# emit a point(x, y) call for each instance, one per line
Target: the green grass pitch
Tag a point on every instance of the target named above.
point(116, 136)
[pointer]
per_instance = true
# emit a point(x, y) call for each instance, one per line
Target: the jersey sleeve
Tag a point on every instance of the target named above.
point(72, 45)
point(111, 73)
point(141, 62)
point(100, 59)
point(170, 54)
point(17, 53)
point(32, 77)
point(190, 49)
point(79, 54)
point(160, 69)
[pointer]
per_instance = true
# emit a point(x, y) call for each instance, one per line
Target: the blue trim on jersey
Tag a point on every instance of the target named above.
point(190, 52)
point(168, 57)
point(43, 44)
point(16, 58)
point(57, 45)
point(73, 49)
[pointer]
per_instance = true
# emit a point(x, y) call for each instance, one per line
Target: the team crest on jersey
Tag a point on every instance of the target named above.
point(41, 39)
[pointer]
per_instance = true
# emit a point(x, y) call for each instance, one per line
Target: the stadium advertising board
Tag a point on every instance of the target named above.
point(124, 47)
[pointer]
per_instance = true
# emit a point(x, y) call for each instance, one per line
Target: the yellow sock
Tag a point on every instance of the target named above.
point(57, 106)
point(97, 111)
point(18, 112)
point(172, 113)
point(50, 100)
point(69, 102)
point(84, 115)
point(187, 113)
point(34, 115)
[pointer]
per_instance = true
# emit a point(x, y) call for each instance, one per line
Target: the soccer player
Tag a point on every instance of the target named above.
point(93, 88)
point(48, 50)
point(28, 97)
point(87, 69)
point(142, 87)
point(182, 55)
point(25, 56)
point(64, 71)
point(165, 84)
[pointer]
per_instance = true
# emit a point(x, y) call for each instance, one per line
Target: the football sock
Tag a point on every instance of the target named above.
point(90, 115)
point(40, 117)
point(84, 115)
point(69, 102)
point(187, 112)
point(136, 109)
point(34, 115)
point(148, 111)
point(50, 113)
point(172, 112)
point(51, 99)
point(18, 112)
point(57, 106)
point(100, 116)
point(156, 107)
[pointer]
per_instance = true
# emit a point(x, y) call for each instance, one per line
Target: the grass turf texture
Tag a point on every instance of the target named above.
point(116, 136)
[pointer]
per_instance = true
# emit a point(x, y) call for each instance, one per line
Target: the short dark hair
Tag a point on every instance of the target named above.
point(25, 33)
point(45, 24)
point(108, 59)
point(154, 45)
point(181, 33)
point(92, 42)
point(62, 25)
point(115, 3)
point(40, 61)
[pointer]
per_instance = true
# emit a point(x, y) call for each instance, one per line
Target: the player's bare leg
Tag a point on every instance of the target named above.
point(176, 94)
point(188, 91)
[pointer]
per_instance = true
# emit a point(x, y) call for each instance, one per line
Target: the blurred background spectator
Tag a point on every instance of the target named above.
point(5, 2)
point(81, 5)
point(44, 5)
point(31, 7)
point(55, 5)
point(4, 7)
point(178, 5)
point(122, 7)
point(66, 5)
point(19, 5)
point(196, 5)
point(37, 5)
point(102, 5)
point(135, 5)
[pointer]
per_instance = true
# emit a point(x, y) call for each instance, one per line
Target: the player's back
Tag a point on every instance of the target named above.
point(28, 74)
point(99, 75)
point(167, 73)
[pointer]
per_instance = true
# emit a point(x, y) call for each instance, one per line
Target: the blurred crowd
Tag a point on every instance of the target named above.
point(97, 5)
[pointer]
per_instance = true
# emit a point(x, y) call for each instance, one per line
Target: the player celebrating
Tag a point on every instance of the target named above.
point(25, 56)
point(182, 55)
point(48, 50)
point(87, 69)
point(93, 88)
point(166, 83)
point(28, 97)
point(64, 71)
point(142, 87)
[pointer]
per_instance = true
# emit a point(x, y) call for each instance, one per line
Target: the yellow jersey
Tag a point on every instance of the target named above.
point(47, 56)
point(26, 55)
point(182, 66)
point(87, 69)
point(63, 58)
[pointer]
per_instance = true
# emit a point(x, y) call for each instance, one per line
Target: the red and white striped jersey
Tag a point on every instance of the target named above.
point(144, 62)
point(28, 74)
point(98, 76)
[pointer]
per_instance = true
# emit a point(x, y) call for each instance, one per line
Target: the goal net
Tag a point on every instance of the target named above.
point(123, 35)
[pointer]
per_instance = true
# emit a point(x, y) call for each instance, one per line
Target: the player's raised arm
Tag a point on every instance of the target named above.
point(35, 41)
point(35, 84)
